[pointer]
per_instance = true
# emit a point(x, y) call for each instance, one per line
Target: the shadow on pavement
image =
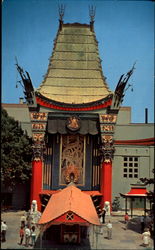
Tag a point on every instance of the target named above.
point(133, 225)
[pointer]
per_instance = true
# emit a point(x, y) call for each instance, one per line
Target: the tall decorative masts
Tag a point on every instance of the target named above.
point(120, 89)
point(61, 15)
point(92, 11)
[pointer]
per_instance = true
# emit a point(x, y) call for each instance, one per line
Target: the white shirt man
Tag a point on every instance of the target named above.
point(4, 227)
point(27, 236)
point(109, 230)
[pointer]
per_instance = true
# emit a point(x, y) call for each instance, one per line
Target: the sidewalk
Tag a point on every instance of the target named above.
point(12, 235)
point(121, 239)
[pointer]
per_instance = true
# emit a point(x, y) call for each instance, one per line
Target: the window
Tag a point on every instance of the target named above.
point(130, 167)
point(69, 216)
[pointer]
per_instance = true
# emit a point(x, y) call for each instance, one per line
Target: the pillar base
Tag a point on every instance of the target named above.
point(106, 183)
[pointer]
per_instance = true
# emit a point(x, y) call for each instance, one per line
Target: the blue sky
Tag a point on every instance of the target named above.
point(124, 30)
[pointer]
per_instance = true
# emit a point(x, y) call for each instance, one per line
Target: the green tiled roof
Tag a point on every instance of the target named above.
point(74, 73)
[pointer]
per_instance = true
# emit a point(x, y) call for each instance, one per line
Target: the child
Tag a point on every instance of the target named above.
point(126, 218)
point(109, 230)
point(21, 233)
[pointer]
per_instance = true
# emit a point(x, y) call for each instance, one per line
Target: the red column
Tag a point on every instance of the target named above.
point(36, 182)
point(106, 182)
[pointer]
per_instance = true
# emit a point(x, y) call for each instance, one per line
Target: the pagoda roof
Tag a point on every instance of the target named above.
point(136, 191)
point(74, 74)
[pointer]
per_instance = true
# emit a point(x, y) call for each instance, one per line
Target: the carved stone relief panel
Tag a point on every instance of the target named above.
point(72, 159)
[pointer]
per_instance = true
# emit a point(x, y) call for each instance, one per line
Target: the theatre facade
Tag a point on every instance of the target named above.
point(81, 132)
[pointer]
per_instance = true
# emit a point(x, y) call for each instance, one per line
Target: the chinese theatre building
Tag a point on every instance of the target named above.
point(80, 132)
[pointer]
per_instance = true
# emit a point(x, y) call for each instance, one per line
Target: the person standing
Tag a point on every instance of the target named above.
point(27, 236)
point(99, 212)
point(33, 235)
point(4, 228)
point(1, 229)
point(142, 223)
point(150, 227)
point(146, 237)
point(103, 215)
point(23, 220)
point(126, 218)
point(109, 230)
point(21, 233)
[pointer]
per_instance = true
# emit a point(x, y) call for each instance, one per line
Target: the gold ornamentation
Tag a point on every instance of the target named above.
point(38, 126)
point(107, 128)
point(107, 148)
point(107, 138)
point(72, 159)
point(38, 137)
point(42, 116)
point(73, 123)
point(108, 118)
point(106, 160)
point(71, 174)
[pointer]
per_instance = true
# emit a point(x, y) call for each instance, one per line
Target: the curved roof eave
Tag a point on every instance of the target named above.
point(63, 104)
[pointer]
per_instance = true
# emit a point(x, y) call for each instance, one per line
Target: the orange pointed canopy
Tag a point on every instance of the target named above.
point(71, 199)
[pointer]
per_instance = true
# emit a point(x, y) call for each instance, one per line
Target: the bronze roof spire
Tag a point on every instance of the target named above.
point(92, 11)
point(61, 15)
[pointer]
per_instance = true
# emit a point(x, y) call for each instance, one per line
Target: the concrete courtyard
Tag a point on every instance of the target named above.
point(121, 238)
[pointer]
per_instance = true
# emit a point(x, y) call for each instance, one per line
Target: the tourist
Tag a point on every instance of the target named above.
point(150, 227)
point(33, 235)
point(23, 220)
point(126, 218)
point(103, 215)
point(21, 233)
point(4, 228)
point(27, 236)
point(29, 218)
point(142, 223)
point(109, 230)
point(1, 229)
point(146, 237)
point(99, 212)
